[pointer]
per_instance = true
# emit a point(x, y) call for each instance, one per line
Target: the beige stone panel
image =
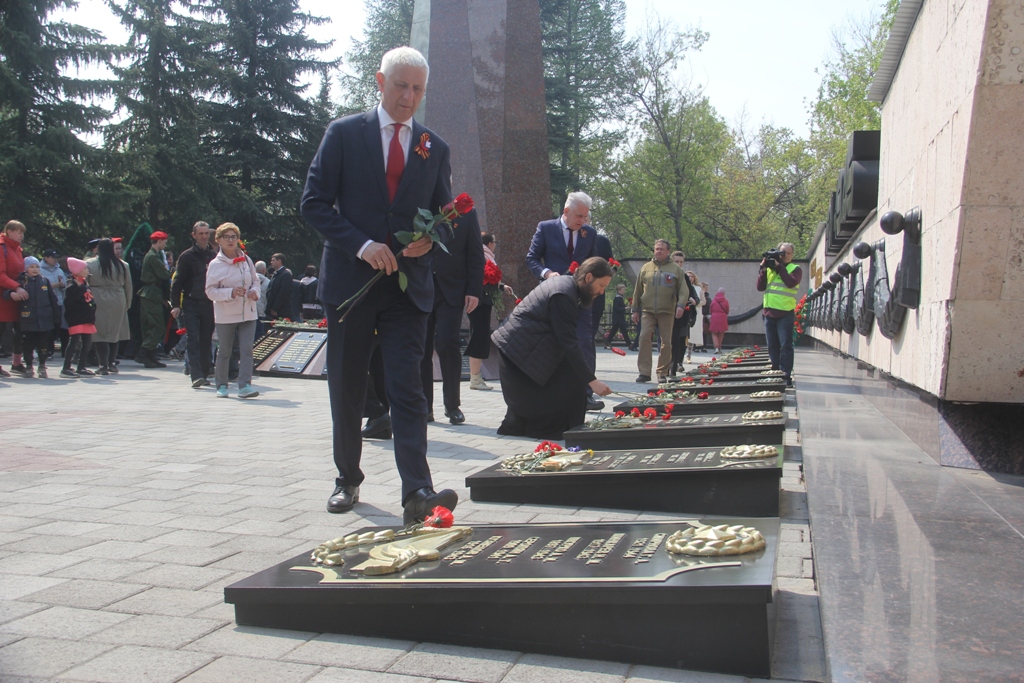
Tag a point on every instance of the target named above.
point(983, 252)
point(995, 161)
point(1003, 56)
point(1013, 269)
point(985, 352)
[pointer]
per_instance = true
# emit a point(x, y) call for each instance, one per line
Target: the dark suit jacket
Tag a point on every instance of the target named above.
point(346, 201)
point(460, 273)
point(548, 249)
point(279, 295)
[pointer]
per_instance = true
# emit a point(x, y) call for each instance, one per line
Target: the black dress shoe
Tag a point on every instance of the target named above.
point(455, 416)
point(420, 502)
point(593, 404)
point(343, 498)
point(642, 379)
point(378, 427)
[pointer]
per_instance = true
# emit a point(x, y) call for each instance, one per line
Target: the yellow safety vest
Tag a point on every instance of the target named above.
point(777, 295)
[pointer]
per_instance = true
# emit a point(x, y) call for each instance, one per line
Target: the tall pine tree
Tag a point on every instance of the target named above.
point(262, 130)
point(45, 178)
point(161, 92)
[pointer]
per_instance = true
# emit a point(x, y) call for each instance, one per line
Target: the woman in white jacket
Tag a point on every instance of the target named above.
point(234, 288)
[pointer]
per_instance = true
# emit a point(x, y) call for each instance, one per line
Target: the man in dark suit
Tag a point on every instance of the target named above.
point(279, 293)
point(556, 245)
point(458, 285)
point(369, 178)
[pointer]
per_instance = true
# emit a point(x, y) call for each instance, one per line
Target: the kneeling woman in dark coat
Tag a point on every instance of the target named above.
point(543, 374)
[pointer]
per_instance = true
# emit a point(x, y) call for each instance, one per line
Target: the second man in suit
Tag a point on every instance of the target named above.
point(458, 285)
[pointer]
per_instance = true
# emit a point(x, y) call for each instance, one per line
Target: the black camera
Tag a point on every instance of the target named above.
point(773, 257)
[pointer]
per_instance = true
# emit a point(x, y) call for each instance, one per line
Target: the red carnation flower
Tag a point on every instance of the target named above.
point(322, 323)
point(619, 413)
point(756, 347)
point(613, 263)
point(572, 267)
point(713, 359)
point(635, 412)
point(518, 301)
point(492, 273)
point(669, 407)
point(439, 518)
point(618, 351)
point(703, 395)
point(650, 413)
point(666, 416)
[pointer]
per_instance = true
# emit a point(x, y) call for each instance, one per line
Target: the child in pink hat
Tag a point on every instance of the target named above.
point(80, 313)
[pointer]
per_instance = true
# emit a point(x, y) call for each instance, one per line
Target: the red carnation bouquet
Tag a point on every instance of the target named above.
point(425, 224)
point(492, 273)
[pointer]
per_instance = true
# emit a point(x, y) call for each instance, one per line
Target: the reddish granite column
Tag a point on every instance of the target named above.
point(486, 99)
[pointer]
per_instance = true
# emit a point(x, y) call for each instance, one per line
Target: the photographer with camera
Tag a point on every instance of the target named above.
point(779, 279)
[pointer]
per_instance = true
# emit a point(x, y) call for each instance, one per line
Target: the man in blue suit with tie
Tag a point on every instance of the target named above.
point(556, 245)
point(370, 176)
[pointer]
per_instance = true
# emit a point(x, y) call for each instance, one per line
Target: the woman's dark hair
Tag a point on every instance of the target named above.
point(596, 266)
point(486, 238)
point(310, 271)
point(108, 261)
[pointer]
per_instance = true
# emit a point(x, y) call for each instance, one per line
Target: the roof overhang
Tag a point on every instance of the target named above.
point(903, 24)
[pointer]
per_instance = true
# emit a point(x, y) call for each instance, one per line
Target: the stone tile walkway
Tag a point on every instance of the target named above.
point(128, 503)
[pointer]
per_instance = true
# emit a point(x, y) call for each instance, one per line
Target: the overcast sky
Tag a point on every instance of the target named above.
point(761, 56)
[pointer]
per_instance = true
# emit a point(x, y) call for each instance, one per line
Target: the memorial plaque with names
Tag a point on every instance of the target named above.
point(687, 431)
point(602, 591)
point(722, 385)
point(740, 369)
point(269, 343)
point(693, 480)
point(722, 403)
point(299, 350)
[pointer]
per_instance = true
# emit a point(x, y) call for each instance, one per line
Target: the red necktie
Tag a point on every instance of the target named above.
point(570, 249)
point(396, 163)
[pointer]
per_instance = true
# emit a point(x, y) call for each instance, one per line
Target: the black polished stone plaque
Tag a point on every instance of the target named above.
point(722, 385)
point(269, 343)
point(688, 431)
point(720, 403)
point(694, 480)
point(602, 591)
point(297, 353)
point(741, 369)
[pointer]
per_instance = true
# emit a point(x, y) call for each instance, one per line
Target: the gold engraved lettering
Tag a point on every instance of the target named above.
point(712, 420)
point(470, 550)
point(512, 550)
point(635, 548)
point(651, 548)
point(602, 551)
point(733, 418)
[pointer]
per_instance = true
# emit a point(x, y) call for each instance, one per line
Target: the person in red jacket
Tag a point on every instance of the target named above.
point(12, 264)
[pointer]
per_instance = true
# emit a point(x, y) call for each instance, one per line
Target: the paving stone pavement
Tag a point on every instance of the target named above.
point(128, 502)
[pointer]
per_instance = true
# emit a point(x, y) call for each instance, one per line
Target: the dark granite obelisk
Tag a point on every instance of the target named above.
point(485, 97)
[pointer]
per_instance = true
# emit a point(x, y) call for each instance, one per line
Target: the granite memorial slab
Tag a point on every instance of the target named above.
point(294, 355)
point(268, 344)
point(720, 403)
point(687, 431)
point(731, 369)
point(720, 385)
point(715, 480)
point(610, 591)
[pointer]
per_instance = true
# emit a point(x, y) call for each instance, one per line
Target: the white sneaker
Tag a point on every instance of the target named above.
point(477, 382)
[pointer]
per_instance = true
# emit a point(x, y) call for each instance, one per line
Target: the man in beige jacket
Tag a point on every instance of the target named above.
point(659, 298)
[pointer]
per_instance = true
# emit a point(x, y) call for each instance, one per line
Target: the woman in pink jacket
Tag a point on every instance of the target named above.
point(719, 319)
point(234, 288)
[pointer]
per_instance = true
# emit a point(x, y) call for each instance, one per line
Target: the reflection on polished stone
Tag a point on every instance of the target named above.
point(486, 99)
point(919, 565)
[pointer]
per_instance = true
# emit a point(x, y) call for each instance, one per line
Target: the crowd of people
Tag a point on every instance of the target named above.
point(366, 190)
point(212, 297)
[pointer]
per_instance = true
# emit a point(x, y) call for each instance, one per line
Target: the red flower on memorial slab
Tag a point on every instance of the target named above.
point(439, 518)
point(703, 395)
point(322, 323)
point(547, 446)
point(713, 359)
point(725, 365)
point(423, 149)
point(711, 381)
point(666, 416)
point(650, 413)
point(756, 347)
point(619, 413)
point(635, 412)
point(572, 267)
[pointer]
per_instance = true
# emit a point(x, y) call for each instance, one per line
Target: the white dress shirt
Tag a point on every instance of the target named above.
point(387, 131)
